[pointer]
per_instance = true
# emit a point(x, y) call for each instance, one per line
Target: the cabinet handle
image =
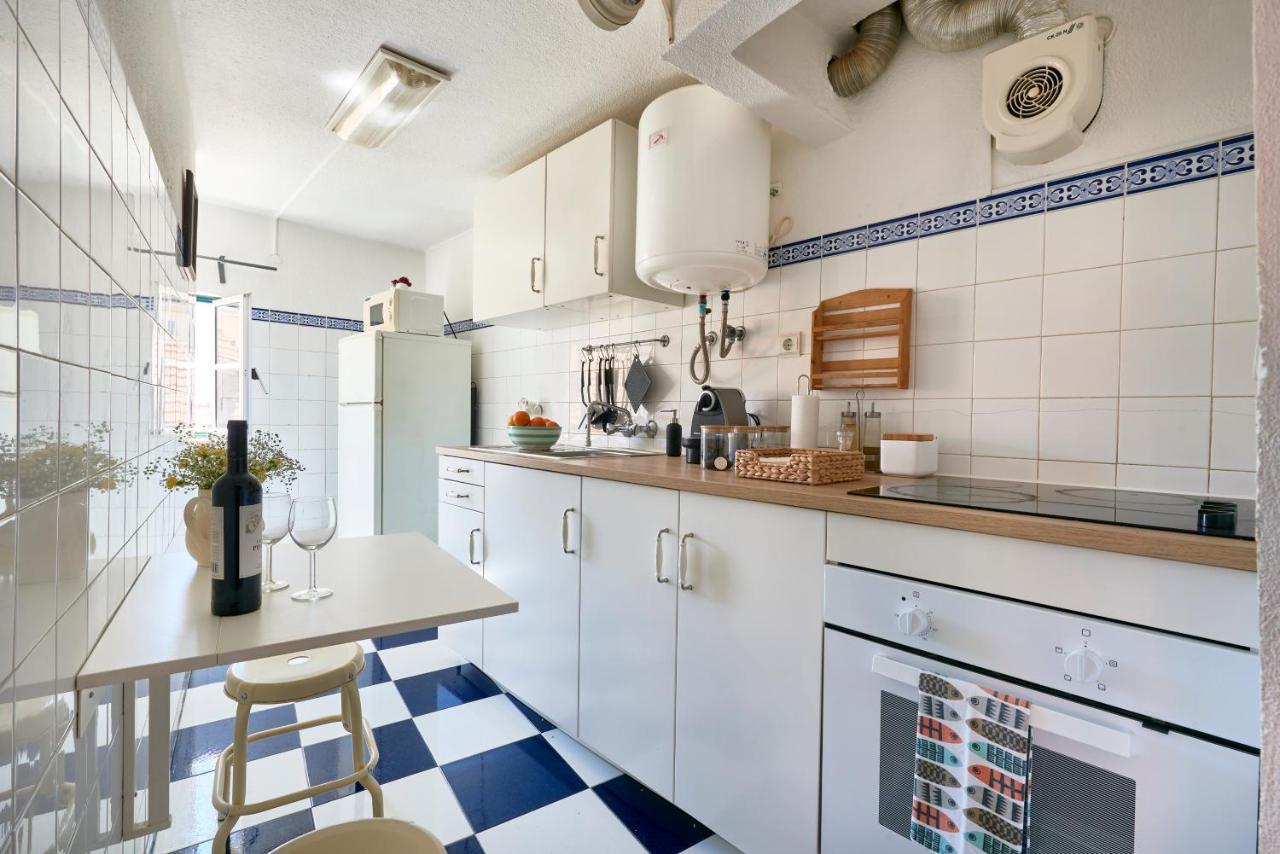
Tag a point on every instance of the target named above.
point(533, 279)
point(657, 558)
point(595, 255)
point(684, 562)
point(471, 547)
point(457, 470)
point(564, 531)
point(452, 494)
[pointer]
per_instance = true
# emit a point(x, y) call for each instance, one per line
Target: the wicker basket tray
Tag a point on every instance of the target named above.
point(802, 465)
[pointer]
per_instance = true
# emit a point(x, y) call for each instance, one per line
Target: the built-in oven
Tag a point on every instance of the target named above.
point(1141, 741)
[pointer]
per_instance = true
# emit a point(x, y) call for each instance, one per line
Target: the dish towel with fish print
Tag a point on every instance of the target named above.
point(971, 768)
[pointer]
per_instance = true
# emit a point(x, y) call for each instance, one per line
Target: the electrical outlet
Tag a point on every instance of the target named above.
point(789, 343)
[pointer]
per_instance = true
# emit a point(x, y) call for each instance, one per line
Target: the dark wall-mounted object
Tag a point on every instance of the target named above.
point(185, 250)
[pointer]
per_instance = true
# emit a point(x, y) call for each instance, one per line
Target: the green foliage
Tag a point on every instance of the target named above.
point(199, 462)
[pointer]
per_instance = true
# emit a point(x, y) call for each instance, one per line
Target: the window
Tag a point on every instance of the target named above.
point(218, 370)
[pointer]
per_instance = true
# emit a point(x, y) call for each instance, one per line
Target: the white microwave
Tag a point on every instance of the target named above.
point(404, 310)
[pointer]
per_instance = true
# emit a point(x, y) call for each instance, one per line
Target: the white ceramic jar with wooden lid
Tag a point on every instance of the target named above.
point(909, 454)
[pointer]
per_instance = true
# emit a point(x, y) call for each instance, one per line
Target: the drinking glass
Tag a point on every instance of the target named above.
point(312, 522)
point(275, 527)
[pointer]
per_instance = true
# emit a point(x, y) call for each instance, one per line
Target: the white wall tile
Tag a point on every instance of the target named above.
point(1002, 468)
point(1077, 474)
point(762, 299)
point(1009, 309)
point(1082, 301)
point(1234, 443)
point(760, 379)
point(943, 371)
point(842, 274)
point(947, 260)
point(801, 286)
point(892, 266)
point(949, 420)
point(1235, 359)
point(956, 465)
point(1162, 479)
point(1234, 484)
point(1167, 431)
point(1171, 221)
point(1078, 429)
point(1084, 236)
point(1006, 368)
point(945, 316)
point(1081, 365)
point(1006, 428)
point(1236, 294)
point(1169, 292)
point(1166, 362)
point(1011, 249)
point(1237, 207)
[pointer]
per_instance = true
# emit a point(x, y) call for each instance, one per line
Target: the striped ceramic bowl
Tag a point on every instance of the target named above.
point(533, 438)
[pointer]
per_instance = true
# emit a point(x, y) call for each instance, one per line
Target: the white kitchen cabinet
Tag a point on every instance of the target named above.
point(510, 226)
point(532, 527)
point(461, 534)
point(555, 242)
point(628, 658)
point(749, 671)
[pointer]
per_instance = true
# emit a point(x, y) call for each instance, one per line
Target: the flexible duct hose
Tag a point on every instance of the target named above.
point(949, 25)
point(702, 347)
point(878, 34)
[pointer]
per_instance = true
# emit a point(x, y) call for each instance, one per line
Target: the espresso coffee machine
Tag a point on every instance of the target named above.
point(714, 406)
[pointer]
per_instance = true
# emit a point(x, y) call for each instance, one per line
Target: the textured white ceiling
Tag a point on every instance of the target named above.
point(528, 75)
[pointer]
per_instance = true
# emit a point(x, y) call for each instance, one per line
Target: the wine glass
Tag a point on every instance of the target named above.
point(312, 522)
point(275, 527)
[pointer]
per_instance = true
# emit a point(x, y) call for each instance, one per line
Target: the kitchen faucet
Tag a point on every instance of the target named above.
point(611, 415)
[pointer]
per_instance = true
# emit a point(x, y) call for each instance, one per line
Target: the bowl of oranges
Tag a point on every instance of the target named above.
point(532, 432)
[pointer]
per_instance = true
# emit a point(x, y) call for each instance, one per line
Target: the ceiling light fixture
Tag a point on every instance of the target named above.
point(612, 14)
point(386, 96)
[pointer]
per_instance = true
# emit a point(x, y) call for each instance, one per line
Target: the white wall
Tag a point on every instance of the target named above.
point(321, 272)
point(448, 272)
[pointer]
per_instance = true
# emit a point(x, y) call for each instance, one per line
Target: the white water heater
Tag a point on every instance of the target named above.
point(702, 193)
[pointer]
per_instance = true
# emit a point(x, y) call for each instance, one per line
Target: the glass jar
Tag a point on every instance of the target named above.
point(717, 450)
point(770, 436)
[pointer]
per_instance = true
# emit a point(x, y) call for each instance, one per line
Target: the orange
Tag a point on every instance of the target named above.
point(537, 421)
point(519, 419)
point(551, 423)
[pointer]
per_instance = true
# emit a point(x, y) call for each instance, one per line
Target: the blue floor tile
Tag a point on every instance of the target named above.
point(401, 752)
point(209, 676)
point(509, 781)
point(470, 845)
point(373, 674)
point(536, 719)
point(443, 689)
point(261, 838)
point(405, 638)
point(196, 749)
point(659, 826)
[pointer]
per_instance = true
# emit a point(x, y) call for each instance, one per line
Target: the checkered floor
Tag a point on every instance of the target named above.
point(483, 772)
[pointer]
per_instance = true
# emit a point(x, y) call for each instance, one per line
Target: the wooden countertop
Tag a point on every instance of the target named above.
point(674, 473)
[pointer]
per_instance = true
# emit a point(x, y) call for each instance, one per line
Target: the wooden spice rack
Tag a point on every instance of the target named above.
point(873, 313)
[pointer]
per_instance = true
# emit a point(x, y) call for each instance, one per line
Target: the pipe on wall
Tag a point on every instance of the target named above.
point(949, 25)
point(877, 39)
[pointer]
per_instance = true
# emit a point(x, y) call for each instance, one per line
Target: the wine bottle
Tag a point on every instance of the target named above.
point(236, 530)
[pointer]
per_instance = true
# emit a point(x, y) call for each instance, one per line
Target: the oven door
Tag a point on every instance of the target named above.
point(1102, 782)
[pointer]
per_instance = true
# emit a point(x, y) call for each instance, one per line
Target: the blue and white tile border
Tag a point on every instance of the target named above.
point(294, 318)
point(1225, 157)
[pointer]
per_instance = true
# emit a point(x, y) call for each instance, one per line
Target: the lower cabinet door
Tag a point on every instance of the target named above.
point(749, 672)
point(532, 521)
point(461, 534)
point(628, 661)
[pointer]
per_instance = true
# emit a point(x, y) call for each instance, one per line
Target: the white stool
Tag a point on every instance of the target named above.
point(383, 835)
point(288, 679)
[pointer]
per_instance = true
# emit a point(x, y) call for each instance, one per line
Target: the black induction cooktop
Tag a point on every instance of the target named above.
point(1160, 510)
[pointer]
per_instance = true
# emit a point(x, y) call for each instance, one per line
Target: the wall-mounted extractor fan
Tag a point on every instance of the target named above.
point(1040, 94)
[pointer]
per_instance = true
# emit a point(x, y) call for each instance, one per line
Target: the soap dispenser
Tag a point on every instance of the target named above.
point(673, 434)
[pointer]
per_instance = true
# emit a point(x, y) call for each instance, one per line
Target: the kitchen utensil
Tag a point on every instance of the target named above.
point(714, 406)
point(909, 454)
point(799, 465)
point(873, 313)
point(312, 522)
point(637, 384)
point(804, 416)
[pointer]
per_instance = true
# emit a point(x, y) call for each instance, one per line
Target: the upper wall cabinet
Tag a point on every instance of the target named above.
point(555, 241)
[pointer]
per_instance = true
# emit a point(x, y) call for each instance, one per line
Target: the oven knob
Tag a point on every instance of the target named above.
point(1083, 665)
point(914, 622)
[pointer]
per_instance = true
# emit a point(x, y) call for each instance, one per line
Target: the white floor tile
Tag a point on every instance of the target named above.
point(579, 824)
point(402, 661)
point(206, 704)
point(379, 704)
point(591, 768)
point(471, 728)
point(424, 799)
point(712, 845)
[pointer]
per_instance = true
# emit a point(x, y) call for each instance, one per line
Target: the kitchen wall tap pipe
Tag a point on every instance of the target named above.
point(877, 40)
point(949, 25)
point(728, 334)
point(702, 345)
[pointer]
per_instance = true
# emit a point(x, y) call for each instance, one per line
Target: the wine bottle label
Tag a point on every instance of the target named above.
point(250, 543)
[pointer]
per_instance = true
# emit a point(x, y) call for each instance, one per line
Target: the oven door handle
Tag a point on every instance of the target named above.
point(1042, 718)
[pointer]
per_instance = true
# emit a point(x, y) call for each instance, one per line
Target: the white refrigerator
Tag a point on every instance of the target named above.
point(399, 396)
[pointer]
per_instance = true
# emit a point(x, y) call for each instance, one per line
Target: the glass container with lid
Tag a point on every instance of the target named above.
point(717, 449)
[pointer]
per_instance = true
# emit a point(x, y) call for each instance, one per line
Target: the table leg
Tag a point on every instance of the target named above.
point(156, 797)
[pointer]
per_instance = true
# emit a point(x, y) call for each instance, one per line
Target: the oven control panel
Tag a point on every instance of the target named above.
point(1152, 673)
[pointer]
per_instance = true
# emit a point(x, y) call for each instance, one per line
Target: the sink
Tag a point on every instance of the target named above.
point(571, 452)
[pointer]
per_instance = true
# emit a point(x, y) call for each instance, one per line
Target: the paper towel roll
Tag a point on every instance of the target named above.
point(804, 421)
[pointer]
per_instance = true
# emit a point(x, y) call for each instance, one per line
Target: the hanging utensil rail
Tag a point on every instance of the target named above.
point(664, 340)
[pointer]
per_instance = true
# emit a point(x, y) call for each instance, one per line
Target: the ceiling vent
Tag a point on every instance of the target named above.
point(1039, 95)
